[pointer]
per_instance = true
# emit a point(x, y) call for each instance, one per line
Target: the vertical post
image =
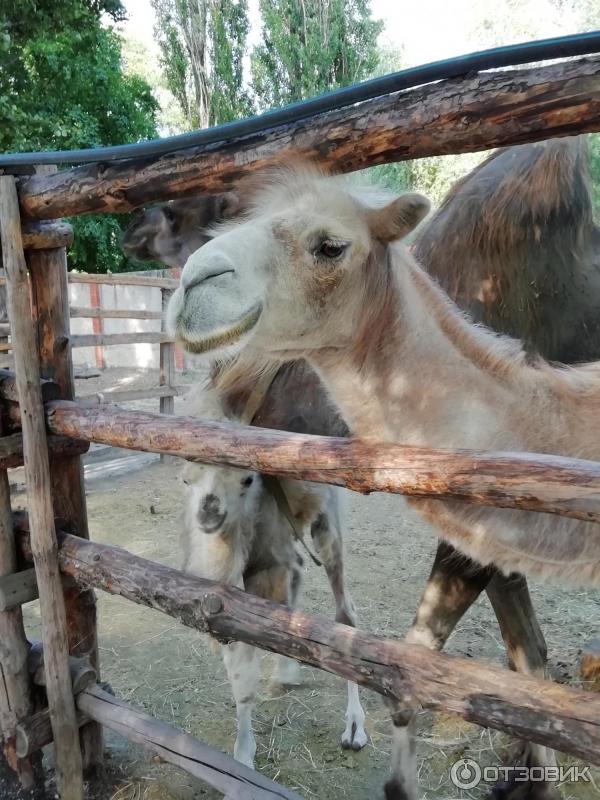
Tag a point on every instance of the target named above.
point(39, 494)
point(97, 324)
point(167, 371)
point(50, 294)
point(15, 697)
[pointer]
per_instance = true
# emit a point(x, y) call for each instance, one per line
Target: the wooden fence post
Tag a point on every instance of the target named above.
point(41, 513)
point(48, 270)
point(167, 370)
point(15, 696)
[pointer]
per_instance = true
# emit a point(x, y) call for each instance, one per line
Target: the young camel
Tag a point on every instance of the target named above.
point(316, 270)
point(235, 533)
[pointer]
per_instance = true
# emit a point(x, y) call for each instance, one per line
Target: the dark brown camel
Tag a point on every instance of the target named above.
point(527, 265)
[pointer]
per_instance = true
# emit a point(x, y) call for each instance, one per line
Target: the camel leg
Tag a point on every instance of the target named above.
point(453, 586)
point(526, 649)
point(242, 662)
point(327, 537)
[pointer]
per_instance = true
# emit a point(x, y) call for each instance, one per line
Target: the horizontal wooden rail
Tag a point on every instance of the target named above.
point(114, 313)
point(124, 280)
point(46, 235)
point(565, 719)
point(476, 112)
point(109, 339)
point(119, 280)
point(222, 772)
point(553, 484)
point(11, 449)
point(129, 395)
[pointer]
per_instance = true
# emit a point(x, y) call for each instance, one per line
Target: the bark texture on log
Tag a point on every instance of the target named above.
point(562, 718)
point(553, 484)
point(222, 772)
point(48, 269)
point(11, 449)
point(35, 732)
point(15, 696)
point(39, 493)
point(46, 235)
point(476, 112)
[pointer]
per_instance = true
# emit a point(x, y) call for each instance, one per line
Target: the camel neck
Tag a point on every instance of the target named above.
point(414, 367)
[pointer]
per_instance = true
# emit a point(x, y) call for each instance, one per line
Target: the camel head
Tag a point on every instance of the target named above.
point(293, 274)
point(171, 232)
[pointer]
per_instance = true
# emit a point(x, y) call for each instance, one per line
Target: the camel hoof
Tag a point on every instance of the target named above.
point(354, 737)
point(394, 790)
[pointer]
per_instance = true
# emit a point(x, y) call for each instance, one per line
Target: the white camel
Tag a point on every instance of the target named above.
point(316, 270)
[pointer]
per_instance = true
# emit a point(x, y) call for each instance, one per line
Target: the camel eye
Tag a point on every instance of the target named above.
point(331, 249)
point(247, 481)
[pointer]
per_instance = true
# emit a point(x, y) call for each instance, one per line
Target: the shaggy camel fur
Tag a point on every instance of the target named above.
point(314, 271)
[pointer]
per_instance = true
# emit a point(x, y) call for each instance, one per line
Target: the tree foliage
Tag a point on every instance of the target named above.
point(62, 86)
point(203, 43)
point(312, 47)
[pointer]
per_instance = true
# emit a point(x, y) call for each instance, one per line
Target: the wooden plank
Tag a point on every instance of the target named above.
point(127, 396)
point(220, 771)
point(109, 339)
point(16, 702)
point(563, 718)
point(114, 313)
point(476, 112)
point(41, 513)
point(45, 235)
point(139, 279)
point(166, 373)
point(48, 270)
point(569, 487)
point(18, 588)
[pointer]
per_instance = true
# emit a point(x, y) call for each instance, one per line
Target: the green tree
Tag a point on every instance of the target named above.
point(203, 43)
point(312, 47)
point(62, 86)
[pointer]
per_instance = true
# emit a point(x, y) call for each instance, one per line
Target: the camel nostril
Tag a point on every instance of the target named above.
point(211, 504)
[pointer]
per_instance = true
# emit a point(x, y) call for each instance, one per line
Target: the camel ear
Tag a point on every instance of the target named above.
point(228, 205)
point(398, 218)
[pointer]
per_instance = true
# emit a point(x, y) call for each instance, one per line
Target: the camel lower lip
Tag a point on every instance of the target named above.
point(214, 526)
point(223, 337)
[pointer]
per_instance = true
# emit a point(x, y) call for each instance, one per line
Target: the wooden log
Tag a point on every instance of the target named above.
point(35, 732)
point(463, 115)
point(8, 388)
point(46, 235)
point(139, 279)
point(17, 588)
point(556, 485)
point(114, 313)
point(48, 270)
point(11, 448)
point(108, 339)
point(128, 396)
point(15, 697)
point(37, 470)
point(563, 718)
point(81, 671)
point(166, 373)
point(222, 772)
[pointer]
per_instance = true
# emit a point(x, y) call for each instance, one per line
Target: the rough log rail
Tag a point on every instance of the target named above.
point(489, 109)
point(556, 485)
point(563, 718)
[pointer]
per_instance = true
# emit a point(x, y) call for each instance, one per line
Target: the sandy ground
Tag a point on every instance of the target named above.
point(168, 670)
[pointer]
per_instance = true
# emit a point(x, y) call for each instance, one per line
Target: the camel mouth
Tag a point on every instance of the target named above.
point(224, 336)
point(211, 523)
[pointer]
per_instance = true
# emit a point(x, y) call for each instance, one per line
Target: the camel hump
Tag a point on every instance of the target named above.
point(518, 195)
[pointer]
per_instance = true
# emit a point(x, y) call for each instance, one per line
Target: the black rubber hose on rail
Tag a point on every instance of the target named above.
point(543, 50)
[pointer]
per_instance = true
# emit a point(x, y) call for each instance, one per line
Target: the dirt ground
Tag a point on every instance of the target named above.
point(168, 670)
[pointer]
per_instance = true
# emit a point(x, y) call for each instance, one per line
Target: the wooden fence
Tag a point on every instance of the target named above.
point(40, 418)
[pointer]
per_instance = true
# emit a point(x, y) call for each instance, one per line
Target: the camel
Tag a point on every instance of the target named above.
point(235, 533)
point(316, 270)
